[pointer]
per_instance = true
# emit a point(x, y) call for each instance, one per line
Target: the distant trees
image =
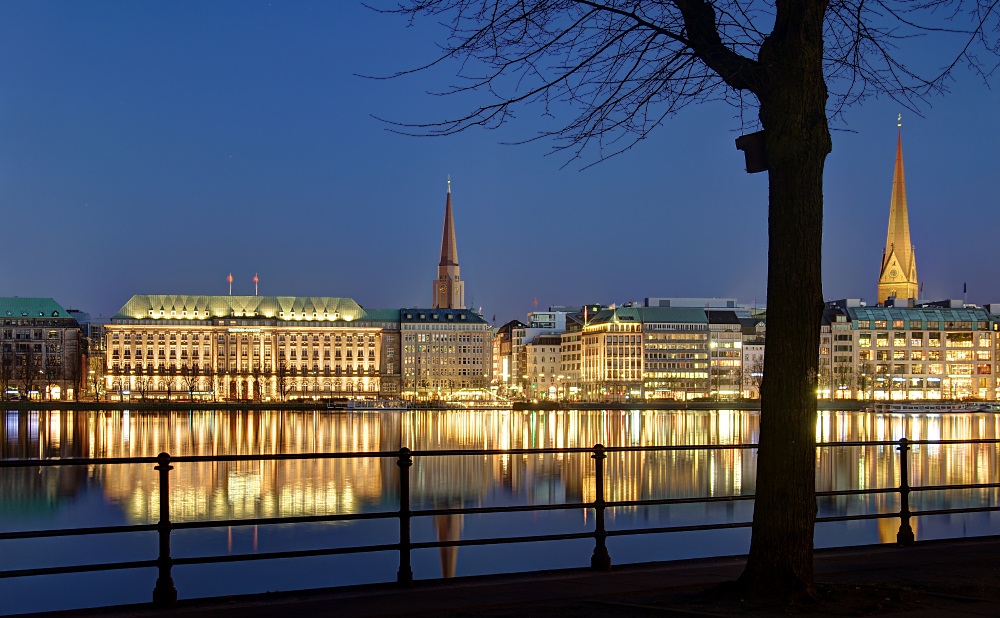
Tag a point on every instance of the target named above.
point(141, 380)
point(843, 375)
point(6, 369)
point(208, 376)
point(95, 374)
point(257, 372)
point(863, 378)
point(755, 375)
point(71, 374)
point(283, 382)
point(189, 379)
point(29, 369)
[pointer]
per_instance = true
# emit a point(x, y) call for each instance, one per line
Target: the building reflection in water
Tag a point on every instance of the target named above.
point(448, 529)
point(317, 487)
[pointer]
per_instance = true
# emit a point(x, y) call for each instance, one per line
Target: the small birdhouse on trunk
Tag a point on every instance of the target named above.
point(752, 146)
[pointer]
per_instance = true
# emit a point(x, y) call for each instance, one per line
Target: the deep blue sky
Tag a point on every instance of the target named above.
point(155, 147)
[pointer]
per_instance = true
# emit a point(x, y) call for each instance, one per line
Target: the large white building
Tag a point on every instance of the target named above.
point(244, 348)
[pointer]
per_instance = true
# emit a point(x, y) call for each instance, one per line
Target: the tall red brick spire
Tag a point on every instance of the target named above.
point(449, 248)
point(449, 289)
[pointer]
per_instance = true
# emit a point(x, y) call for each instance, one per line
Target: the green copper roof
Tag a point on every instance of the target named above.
point(645, 315)
point(291, 308)
point(381, 315)
point(908, 314)
point(17, 307)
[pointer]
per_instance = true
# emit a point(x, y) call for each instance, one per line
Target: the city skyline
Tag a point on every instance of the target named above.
point(156, 150)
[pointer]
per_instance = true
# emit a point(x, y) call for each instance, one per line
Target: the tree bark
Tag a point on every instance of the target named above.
point(793, 114)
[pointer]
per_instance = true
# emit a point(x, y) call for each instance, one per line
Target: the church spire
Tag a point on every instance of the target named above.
point(449, 290)
point(449, 248)
point(898, 277)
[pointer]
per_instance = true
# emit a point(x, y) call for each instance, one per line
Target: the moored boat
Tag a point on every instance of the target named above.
point(942, 407)
point(369, 405)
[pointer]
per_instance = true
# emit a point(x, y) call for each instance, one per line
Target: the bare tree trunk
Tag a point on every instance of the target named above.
point(793, 113)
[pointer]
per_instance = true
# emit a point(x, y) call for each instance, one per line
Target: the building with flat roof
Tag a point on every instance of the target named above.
point(910, 353)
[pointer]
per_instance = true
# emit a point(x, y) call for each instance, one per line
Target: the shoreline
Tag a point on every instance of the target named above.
point(133, 406)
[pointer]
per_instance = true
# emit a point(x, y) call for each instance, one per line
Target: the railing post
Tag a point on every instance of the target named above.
point(601, 560)
point(164, 594)
point(405, 574)
point(905, 534)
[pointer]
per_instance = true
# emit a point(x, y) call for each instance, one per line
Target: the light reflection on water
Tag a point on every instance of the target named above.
point(36, 498)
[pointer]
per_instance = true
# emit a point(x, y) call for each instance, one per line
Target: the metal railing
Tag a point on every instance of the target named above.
point(165, 593)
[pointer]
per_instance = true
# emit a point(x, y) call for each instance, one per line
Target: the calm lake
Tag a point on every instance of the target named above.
point(45, 498)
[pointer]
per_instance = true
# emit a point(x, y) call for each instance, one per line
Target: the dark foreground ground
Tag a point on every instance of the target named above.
point(930, 578)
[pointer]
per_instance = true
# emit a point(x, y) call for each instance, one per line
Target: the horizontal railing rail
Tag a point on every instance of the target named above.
point(165, 594)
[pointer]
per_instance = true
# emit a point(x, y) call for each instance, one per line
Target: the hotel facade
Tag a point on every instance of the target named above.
point(248, 348)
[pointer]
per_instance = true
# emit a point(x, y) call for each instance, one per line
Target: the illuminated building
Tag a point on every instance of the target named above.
point(444, 351)
point(926, 352)
point(647, 352)
point(657, 353)
point(507, 343)
point(543, 356)
point(571, 356)
point(898, 275)
point(612, 355)
point(754, 331)
point(449, 290)
point(725, 342)
point(40, 356)
point(249, 348)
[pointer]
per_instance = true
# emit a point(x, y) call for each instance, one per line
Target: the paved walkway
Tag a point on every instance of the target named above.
point(930, 578)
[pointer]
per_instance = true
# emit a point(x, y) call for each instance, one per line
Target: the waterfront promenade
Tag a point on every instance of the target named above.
point(930, 578)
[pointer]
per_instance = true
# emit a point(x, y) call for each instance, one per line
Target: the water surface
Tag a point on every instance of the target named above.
point(40, 498)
